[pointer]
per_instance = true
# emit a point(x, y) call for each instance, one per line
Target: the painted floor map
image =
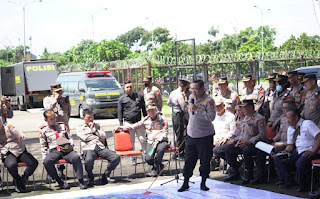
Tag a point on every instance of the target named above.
point(218, 189)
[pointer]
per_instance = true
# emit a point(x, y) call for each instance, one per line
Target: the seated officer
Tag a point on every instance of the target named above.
point(93, 143)
point(253, 130)
point(156, 126)
point(14, 151)
point(52, 150)
point(5, 109)
point(303, 143)
point(224, 125)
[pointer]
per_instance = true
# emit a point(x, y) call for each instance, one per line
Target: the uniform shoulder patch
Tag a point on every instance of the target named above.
point(261, 93)
point(10, 126)
point(261, 123)
point(157, 92)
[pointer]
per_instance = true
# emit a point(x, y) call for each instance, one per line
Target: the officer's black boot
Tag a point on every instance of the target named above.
point(82, 185)
point(185, 185)
point(203, 184)
point(106, 177)
point(259, 177)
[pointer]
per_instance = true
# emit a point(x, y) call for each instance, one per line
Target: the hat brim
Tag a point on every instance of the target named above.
point(305, 79)
point(57, 89)
point(222, 82)
point(151, 107)
point(277, 79)
point(243, 104)
point(245, 79)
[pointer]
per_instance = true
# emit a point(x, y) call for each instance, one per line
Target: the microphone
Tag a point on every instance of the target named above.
point(192, 102)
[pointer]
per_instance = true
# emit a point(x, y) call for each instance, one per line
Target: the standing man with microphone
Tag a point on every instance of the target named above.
point(200, 131)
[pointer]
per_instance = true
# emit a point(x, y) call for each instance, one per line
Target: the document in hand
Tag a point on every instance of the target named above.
point(264, 147)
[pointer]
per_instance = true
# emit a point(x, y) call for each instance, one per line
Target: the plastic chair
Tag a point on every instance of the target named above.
point(315, 163)
point(20, 165)
point(123, 147)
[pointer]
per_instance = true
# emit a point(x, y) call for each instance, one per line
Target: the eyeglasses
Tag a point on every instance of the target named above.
point(195, 89)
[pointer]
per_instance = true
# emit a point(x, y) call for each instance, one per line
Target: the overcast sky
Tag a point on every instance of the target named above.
point(61, 24)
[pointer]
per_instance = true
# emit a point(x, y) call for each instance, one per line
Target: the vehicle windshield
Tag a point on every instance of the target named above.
point(102, 84)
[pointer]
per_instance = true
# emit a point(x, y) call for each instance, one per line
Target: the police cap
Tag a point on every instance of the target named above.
point(271, 76)
point(218, 101)
point(184, 81)
point(199, 75)
point(147, 78)
point(308, 77)
point(292, 73)
point(222, 80)
point(151, 106)
point(247, 77)
point(56, 87)
point(282, 79)
point(62, 141)
point(244, 103)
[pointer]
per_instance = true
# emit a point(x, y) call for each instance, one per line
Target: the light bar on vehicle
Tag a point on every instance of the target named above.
point(98, 73)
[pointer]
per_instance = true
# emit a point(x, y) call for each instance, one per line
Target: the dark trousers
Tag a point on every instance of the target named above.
point(11, 162)
point(248, 152)
point(89, 156)
point(71, 157)
point(156, 157)
point(303, 165)
point(219, 151)
point(198, 147)
point(179, 126)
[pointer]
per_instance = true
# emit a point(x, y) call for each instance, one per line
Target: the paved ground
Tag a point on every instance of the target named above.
point(28, 122)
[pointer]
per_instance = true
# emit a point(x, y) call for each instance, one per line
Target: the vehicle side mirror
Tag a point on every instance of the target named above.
point(82, 90)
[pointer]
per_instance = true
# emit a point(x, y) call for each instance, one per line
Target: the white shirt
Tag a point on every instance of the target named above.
point(224, 126)
point(306, 140)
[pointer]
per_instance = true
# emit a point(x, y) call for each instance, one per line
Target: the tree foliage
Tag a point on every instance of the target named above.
point(133, 36)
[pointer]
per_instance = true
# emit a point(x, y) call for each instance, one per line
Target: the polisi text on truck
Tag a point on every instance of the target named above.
point(40, 67)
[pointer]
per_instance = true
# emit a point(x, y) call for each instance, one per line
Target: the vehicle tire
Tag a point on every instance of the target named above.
point(80, 112)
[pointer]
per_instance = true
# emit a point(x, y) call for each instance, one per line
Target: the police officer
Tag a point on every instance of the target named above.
point(59, 104)
point(297, 91)
point(255, 93)
point(303, 144)
point(276, 112)
point(200, 133)
point(156, 126)
point(93, 144)
point(151, 93)
point(5, 109)
point(311, 109)
point(178, 99)
point(14, 151)
point(130, 106)
point(206, 84)
point(52, 152)
point(230, 98)
point(268, 101)
point(253, 130)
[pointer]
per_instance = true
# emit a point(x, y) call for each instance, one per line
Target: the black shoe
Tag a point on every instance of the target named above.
point(184, 187)
point(280, 182)
point(232, 177)
point(90, 183)
point(286, 185)
point(203, 187)
point(106, 179)
point(314, 195)
point(82, 186)
point(256, 181)
point(154, 172)
point(64, 185)
point(245, 181)
point(20, 187)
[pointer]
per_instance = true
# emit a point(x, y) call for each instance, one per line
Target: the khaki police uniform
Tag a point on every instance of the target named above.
point(282, 132)
point(92, 147)
point(14, 151)
point(48, 139)
point(253, 129)
point(257, 95)
point(153, 96)
point(311, 109)
point(200, 133)
point(297, 95)
point(157, 132)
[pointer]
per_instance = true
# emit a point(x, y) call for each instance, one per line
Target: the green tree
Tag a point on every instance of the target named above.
point(158, 35)
point(133, 36)
point(112, 50)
